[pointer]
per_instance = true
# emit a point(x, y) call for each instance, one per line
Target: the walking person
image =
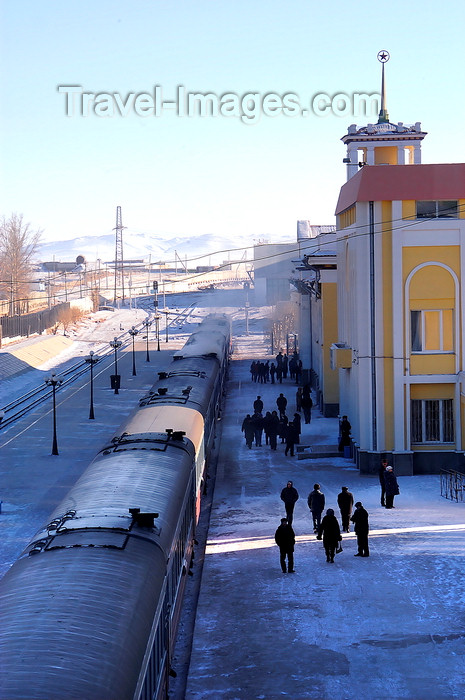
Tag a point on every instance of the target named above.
point(330, 532)
point(344, 429)
point(273, 429)
point(291, 438)
point(272, 372)
point(257, 422)
point(253, 371)
point(361, 528)
point(282, 428)
point(298, 399)
point(285, 365)
point(382, 474)
point(345, 501)
point(298, 371)
point(306, 403)
point(267, 426)
point(289, 496)
point(249, 430)
point(316, 503)
point(258, 405)
point(281, 403)
point(391, 486)
point(298, 426)
point(285, 539)
point(292, 364)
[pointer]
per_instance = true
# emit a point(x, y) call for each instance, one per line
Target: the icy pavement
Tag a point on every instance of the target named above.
point(388, 626)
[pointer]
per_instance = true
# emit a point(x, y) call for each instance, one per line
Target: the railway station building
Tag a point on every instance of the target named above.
point(385, 306)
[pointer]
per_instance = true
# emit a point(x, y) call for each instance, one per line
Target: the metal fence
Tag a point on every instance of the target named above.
point(28, 324)
point(452, 485)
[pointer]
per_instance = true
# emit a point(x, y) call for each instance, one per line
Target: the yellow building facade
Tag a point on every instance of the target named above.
point(400, 301)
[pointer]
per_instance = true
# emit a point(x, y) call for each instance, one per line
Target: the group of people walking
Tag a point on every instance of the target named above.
point(279, 369)
point(326, 528)
point(275, 424)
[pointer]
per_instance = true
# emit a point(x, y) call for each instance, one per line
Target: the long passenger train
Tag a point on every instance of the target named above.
point(90, 609)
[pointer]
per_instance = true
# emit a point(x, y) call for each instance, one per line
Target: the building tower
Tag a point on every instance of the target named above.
point(383, 143)
point(119, 268)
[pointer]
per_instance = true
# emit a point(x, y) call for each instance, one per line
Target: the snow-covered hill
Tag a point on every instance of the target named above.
point(205, 249)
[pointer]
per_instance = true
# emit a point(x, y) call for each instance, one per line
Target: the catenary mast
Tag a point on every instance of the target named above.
point(119, 269)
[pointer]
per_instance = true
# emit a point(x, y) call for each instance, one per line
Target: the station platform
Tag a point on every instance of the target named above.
point(387, 626)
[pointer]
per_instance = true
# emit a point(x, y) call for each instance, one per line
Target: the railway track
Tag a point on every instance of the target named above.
point(24, 404)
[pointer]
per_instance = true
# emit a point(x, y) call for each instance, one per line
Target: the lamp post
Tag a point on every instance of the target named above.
point(147, 325)
point(157, 326)
point(157, 317)
point(91, 360)
point(53, 381)
point(166, 327)
point(115, 344)
point(133, 332)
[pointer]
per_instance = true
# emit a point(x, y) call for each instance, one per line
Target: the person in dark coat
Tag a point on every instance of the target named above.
point(273, 428)
point(282, 428)
point(292, 364)
point(298, 399)
point(330, 533)
point(381, 474)
point(360, 520)
point(316, 503)
point(281, 403)
point(291, 438)
point(344, 429)
point(258, 405)
point(272, 372)
point(285, 539)
point(285, 365)
point(267, 371)
point(253, 370)
point(257, 421)
point(391, 485)
point(266, 427)
point(289, 496)
point(298, 371)
point(298, 426)
point(306, 404)
point(249, 430)
point(345, 501)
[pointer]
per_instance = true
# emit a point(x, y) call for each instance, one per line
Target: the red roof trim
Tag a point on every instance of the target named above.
point(376, 183)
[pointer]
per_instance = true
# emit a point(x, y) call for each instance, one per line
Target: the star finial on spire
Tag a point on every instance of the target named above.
point(383, 57)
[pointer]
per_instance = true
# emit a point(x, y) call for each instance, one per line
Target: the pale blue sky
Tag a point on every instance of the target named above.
point(178, 175)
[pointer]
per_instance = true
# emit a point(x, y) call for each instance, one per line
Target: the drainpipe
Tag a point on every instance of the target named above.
point(372, 327)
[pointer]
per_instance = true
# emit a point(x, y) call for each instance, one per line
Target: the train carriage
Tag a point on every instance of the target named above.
point(91, 607)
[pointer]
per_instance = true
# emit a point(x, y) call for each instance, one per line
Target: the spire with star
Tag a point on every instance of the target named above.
point(383, 57)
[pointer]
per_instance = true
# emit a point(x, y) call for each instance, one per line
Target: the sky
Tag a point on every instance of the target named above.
point(66, 167)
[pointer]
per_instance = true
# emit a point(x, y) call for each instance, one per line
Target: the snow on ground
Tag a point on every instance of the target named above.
point(389, 626)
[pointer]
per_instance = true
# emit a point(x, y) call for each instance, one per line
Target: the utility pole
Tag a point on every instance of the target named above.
point(119, 267)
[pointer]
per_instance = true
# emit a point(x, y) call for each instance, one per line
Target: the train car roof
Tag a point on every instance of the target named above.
point(160, 418)
point(203, 342)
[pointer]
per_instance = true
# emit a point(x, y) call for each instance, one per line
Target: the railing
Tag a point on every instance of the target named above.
point(452, 485)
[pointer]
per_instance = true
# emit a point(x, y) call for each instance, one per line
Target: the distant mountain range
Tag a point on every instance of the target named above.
point(205, 249)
